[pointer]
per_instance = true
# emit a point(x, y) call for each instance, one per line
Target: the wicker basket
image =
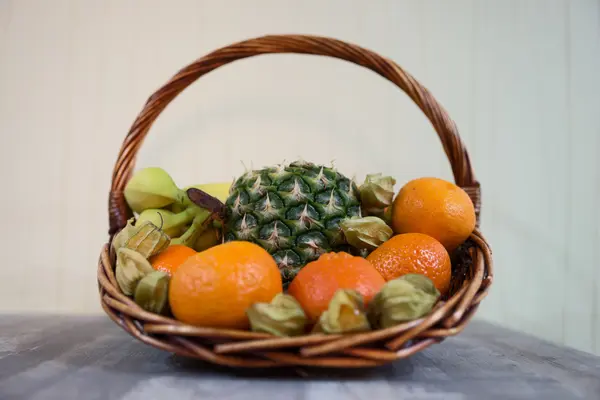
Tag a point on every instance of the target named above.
point(472, 264)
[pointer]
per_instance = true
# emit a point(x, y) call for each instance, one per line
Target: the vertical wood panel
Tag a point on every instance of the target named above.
point(447, 30)
point(548, 51)
point(492, 24)
point(88, 164)
point(581, 280)
point(525, 148)
point(5, 17)
point(406, 128)
point(35, 122)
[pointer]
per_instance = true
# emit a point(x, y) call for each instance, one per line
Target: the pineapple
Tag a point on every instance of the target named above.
point(293, 211)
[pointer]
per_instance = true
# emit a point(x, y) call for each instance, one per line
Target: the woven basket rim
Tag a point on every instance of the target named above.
point(237, 348)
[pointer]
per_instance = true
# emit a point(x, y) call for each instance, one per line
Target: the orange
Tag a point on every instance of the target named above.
point(171, 258)
point(435, 207)
point(415, 253)
point(317, 282)
point(215, 287)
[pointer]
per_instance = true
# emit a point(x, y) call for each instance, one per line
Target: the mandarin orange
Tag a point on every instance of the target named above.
point(317, 282)
point(435, 207)
point(413, 253)
point(171, 258)
point(215, 287)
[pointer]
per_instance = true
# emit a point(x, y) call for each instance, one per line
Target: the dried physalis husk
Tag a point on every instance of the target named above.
point(147, 239)
point(152, 292)
point(123, 236)
point(131, 268)
point(377, 193)
point(283, 316)
point(403, 299)
point(366, 233)
point(345, 314)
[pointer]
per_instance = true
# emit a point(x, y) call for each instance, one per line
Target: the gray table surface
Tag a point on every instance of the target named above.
point(52, 357)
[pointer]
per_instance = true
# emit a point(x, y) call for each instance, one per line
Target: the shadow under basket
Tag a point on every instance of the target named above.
point(471, 263)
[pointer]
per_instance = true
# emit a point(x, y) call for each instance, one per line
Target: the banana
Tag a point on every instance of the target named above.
point(152, 187)
point(207, 239)
point(154, 196)
point(220, 190)
point(192, 233)
point(173, 224)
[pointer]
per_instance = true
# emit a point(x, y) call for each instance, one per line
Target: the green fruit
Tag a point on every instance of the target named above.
point(377, 193)
point(146, 238)
point(345, 313)
point(403, 299)
point(193, 232)
point(173, 224)
point(152, 292)
point(131, 268)
point(366, 233)
point(293, 211)
point(283, 316)
point(152, 187)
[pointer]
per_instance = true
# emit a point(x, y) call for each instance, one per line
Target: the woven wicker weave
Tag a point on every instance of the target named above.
point(472, 267)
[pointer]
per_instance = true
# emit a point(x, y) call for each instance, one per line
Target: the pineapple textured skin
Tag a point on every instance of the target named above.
point(292, 211)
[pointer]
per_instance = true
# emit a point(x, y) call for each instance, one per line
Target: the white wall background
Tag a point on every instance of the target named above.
point(519, 77)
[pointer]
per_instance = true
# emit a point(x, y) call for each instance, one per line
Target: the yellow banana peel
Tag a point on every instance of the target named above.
point(220, 190)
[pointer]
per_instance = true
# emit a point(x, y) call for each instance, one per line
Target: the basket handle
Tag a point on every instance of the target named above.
point(446, 129)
